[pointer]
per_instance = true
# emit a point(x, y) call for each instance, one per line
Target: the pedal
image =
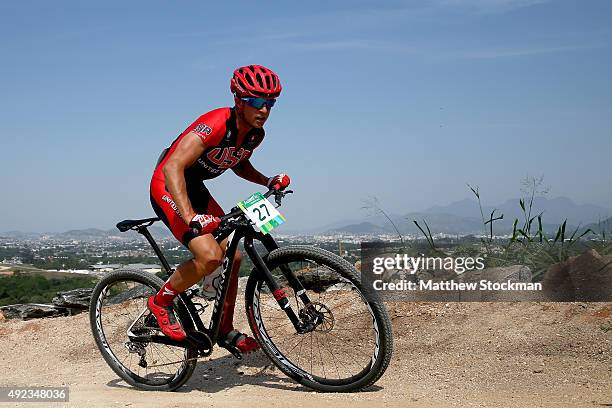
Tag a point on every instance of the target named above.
point(235, 351)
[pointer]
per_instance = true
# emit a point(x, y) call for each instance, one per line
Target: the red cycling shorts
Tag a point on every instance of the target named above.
point(165, 208)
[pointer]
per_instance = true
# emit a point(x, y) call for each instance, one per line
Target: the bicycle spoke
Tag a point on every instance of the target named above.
point(300, 340)
point(359, 351)
point(321, 357)
point(358, 329)
point(280, 325)
point(300, 350)
point(311, 352)
point(341, 328)
point(161, 363)
point(334, 360)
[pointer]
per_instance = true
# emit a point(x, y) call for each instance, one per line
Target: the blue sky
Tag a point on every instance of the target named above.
point(404, 100)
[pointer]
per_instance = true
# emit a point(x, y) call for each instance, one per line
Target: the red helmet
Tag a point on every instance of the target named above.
point(255, 81)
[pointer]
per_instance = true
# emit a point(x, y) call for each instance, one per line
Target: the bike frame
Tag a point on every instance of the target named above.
point(234, 237)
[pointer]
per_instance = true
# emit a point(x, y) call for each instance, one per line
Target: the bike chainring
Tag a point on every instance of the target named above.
point(201, 341)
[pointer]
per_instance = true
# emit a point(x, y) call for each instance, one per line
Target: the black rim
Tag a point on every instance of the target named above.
point(336, 353)
point(121, 305)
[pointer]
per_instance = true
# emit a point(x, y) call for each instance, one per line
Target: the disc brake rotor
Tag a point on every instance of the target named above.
point(319, 316)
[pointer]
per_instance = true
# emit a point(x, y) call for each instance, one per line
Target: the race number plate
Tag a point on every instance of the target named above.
point(262, 212)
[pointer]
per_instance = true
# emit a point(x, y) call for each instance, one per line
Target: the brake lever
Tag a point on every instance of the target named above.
point(278, 195)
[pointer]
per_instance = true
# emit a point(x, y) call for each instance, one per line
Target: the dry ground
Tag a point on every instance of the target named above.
point(446, 355)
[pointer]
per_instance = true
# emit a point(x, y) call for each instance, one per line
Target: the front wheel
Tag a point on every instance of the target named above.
point(349, 349)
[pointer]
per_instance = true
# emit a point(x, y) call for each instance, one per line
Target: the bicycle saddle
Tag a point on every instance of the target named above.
point(129, 224)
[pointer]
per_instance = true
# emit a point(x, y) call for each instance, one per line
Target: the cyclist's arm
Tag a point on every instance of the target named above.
point(246, 171)
point(187, 152)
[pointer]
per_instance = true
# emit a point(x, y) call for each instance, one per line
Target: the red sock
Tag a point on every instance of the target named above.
point(166, 295)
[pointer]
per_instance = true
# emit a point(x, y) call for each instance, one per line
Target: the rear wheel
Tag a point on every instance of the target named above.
point(351, 344)
point(118, 309)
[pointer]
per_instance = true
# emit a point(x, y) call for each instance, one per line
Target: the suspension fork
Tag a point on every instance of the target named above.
point(294, 282)
point(279, 294)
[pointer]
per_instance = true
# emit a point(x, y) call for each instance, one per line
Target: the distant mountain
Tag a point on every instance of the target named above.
point(158, 231)
point(600, 227)
point(463, 208)
point(555, 210)
point(19, 235)
point(443, 223)
point(84, 233)
point(288, 229)
point(361, 228)
point(438, 223)
point(459, 217)
point(463, 217)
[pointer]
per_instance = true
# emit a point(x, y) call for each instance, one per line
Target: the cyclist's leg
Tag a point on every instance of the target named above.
point(227, 334)
point(232, 291)
point(205, 249)
point(226, 328)
point(230, 299)
point(207, 256)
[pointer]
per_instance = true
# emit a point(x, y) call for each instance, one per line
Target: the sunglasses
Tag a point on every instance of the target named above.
point(259, 103)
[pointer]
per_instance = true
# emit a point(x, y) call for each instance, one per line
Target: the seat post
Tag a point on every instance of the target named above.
point(144, 231)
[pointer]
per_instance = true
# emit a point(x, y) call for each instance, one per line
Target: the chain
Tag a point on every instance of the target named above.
point(174, 362)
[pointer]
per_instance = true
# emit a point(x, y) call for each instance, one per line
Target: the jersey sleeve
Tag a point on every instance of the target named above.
point(211, 126)
point(255, 140)
point(260, 137)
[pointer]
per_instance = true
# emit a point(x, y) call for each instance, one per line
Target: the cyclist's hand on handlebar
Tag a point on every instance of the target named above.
point(204, 223)
point(279, 182)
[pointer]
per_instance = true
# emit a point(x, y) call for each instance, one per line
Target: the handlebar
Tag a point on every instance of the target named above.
point(237, 218)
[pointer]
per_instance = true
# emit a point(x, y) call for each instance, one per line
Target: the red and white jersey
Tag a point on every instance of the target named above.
point(218, 131)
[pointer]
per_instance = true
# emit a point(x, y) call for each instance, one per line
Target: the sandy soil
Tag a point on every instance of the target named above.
point(446, 355)
point(5, 270)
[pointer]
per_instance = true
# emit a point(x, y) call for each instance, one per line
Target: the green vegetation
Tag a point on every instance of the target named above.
point(529, 245)
point(37, 288)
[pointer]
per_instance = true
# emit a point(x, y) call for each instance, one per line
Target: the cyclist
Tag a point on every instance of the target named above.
point(221, 139)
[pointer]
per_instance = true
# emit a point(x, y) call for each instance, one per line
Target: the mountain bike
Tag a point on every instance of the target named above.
point(305, 306)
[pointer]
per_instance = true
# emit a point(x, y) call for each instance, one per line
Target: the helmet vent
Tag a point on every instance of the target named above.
point(255, 81)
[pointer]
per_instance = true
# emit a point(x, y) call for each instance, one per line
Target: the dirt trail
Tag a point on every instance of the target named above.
point(5, 270)
point(453, 355)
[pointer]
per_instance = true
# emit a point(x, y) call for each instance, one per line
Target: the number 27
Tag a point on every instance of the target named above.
point(258, 211)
